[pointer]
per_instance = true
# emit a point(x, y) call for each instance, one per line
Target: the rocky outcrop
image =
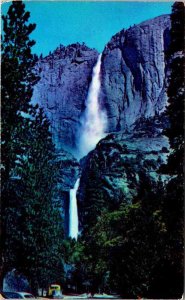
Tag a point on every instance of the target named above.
point(65, 77)
point(69, 171)
point(134, 73)
point(115, 170)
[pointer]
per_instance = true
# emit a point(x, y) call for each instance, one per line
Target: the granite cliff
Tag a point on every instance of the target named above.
point(65, 77)
point(134, 73)
point(133, 80)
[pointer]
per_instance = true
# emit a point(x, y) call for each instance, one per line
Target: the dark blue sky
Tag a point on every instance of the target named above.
point(91, 22)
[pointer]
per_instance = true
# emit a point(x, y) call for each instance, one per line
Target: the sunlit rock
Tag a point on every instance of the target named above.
point(133, 81)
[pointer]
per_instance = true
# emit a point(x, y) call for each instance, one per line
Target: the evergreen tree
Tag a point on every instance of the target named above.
point(174, 202)
point(34, 232)
point(123, 250)
point(40, 223)
point(17, 83)
point(17, 80)
point(31, 228)
point(175, 91)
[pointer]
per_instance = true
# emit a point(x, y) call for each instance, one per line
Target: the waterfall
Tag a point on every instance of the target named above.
point(94, 120)
point(73, 211)
point(92, 130)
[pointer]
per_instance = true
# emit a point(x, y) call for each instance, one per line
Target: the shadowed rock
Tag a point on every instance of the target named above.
point(114, 172)
point(62, 90)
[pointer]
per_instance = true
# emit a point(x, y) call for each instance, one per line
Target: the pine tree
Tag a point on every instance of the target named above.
point(126, 245)
point(40, 223)
point(17, 83)
point(172, 266)
point(31, 228)
point(17, 80)
point(175, 91)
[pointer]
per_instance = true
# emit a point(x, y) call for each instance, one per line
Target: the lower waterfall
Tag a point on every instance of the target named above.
point(73, 211)
point(92, 130)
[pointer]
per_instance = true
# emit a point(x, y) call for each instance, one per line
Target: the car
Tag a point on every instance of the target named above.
point(55, 291)
point(10, 295)
point(18, 295)
point(25, 295)
point(3, 296)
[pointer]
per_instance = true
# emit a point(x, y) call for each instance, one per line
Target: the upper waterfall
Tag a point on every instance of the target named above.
point(94, 119)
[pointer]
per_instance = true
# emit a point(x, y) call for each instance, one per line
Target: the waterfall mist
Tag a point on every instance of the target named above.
point(94, 120)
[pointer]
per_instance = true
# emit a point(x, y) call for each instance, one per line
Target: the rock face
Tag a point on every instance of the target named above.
point(114, 171)
point(134, 73)
point(69, 171)
point(63, 87)
point(133, 79)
